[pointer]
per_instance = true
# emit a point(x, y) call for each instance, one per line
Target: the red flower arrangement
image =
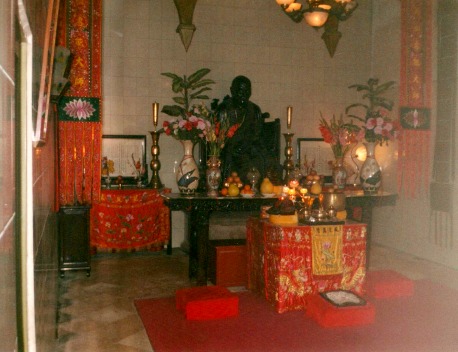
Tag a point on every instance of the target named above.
point(189, 127)
point(339, 135)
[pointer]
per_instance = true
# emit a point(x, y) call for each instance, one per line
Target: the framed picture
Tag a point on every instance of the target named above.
point(315, 153)
point(125, 156)
point(44, 67)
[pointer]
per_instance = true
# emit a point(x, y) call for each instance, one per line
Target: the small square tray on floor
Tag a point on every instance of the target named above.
point(343, 298)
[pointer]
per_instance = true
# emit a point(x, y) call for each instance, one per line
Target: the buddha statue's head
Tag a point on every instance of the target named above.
point(241, 90)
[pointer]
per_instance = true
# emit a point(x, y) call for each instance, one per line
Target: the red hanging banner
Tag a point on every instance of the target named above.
point(415, 98)
point(80, 114)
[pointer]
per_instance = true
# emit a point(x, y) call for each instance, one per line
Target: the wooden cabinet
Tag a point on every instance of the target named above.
point(74, 251)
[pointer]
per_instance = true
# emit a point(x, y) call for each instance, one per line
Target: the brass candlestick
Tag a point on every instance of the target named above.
point(288, 165)
point(155, 164)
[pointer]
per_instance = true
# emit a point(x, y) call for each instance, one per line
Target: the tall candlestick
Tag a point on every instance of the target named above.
point(289, 116)
point(288, 164)
point(155, 164)
point(155, 111)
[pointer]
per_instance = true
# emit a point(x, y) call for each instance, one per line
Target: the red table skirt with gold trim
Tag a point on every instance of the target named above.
point(129, 220)
point(280, 263)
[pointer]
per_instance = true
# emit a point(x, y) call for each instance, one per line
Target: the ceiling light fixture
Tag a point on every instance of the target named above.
point(321, 13)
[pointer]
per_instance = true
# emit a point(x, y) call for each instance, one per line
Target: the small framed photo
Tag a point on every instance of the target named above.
point(314, 153)
point(125, 156)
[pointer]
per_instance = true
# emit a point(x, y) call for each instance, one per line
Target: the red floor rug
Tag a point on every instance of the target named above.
point(424, 322)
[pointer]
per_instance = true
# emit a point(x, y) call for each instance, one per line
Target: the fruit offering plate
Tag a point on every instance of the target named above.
point(247, 195)
point(268, 195)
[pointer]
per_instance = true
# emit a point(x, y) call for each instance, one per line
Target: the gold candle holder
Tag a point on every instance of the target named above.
point(288, 165)
point(155, 164)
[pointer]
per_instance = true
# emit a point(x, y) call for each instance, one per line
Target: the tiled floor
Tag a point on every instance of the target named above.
point(97, 313)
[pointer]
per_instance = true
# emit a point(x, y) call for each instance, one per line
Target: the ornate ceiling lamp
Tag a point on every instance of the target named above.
point(321, 13)
point(186, 28)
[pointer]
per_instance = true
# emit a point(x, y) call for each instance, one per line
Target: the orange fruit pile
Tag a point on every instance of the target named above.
point(247, 190)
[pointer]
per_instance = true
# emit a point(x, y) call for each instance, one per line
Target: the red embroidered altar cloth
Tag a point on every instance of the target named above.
point(129, 220)
point(280, 263)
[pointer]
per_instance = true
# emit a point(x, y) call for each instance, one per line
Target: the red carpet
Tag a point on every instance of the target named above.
point(424, 322)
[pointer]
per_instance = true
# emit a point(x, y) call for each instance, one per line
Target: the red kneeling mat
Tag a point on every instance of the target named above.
point(207, 302)
point(328, 315)
point(388, 284)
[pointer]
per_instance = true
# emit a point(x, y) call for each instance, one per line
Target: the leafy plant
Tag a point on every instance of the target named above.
point(377, 126)
point(189, 89)
point(373, 92)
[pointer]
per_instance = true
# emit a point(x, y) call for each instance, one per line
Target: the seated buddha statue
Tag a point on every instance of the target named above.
point(246, 149)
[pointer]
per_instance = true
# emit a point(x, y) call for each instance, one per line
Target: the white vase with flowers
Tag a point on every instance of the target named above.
point(377, 128)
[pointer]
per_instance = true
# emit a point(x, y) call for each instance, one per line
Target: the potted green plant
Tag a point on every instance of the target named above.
point(189, 88)
point(376, 126)
point(373, 92)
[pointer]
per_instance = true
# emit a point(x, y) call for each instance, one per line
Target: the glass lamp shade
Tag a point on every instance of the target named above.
point(295, 6)
point(284, 2)
point(316, 17)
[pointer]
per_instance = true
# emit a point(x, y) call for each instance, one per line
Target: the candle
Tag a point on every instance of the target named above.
point(74, 153)
point(289, 116)
point(285, 189)
point(155, 111)
point(84, 151)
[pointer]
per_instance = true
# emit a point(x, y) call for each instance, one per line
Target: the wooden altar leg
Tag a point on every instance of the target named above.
point(366, 217)
point(202, 247)
point(192, 244)
point(198, 245)
point(169, 245)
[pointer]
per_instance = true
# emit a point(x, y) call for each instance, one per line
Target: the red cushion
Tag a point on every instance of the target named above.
point(207, 302)
point(327, 314)
point(388, 284)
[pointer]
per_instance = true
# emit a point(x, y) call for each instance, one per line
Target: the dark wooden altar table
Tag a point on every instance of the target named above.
point(199, 208)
